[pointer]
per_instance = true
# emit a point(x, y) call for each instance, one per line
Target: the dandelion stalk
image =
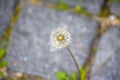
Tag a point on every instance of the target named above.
point(74, 62)
point(60, 38)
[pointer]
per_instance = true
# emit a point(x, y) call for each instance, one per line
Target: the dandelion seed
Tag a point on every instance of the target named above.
point(60, 38)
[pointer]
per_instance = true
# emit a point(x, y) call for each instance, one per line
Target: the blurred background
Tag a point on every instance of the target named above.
point(25, 52)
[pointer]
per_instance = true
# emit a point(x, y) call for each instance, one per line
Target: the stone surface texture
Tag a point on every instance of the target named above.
point(29, 50)
point(91, 6)
point(115, 8)
point(6, 10)
point(107, 60)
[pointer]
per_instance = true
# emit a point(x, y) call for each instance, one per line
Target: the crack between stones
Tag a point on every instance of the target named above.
point(90, 60)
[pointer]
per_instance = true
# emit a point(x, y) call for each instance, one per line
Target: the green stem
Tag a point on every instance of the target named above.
point(74, 62)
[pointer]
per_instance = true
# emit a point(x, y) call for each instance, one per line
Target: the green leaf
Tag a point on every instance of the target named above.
point(67, 78)
point(74, 76)
point(62, 75)
point(1, 74)
point(83, 73)
point(3, 64)
point(78, 8)
point(2, 52)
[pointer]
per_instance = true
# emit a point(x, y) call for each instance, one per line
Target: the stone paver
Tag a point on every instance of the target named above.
point(29, 50)
point(91, 6)
point(107, 60)
point(6, 10)
point(115, 8)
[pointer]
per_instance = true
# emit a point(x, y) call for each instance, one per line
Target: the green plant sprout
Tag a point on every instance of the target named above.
point(3, 63)
point(115, 0)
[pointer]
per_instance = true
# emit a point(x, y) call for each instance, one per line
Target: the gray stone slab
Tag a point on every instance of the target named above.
point(107, 60)
point(29, 49)
point(91, 6)
point(115, 8)
point(6, 10)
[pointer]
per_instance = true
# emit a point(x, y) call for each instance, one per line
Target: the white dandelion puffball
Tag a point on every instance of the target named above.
point(60, 38)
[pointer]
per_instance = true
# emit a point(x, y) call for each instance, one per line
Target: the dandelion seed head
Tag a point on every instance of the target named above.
point(60, 37)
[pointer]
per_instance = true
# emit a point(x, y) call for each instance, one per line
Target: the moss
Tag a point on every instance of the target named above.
point(35, 1)
point(105, 12)
point(114, 0)
point(80, 10)
point(15, 15)
point(14, 19)
point(61, 5)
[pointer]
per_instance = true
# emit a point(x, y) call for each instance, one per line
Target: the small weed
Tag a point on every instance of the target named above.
point(3, 63)
point(79, 9)
point(61, 75)
point(114, 0)
point(61, 5)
